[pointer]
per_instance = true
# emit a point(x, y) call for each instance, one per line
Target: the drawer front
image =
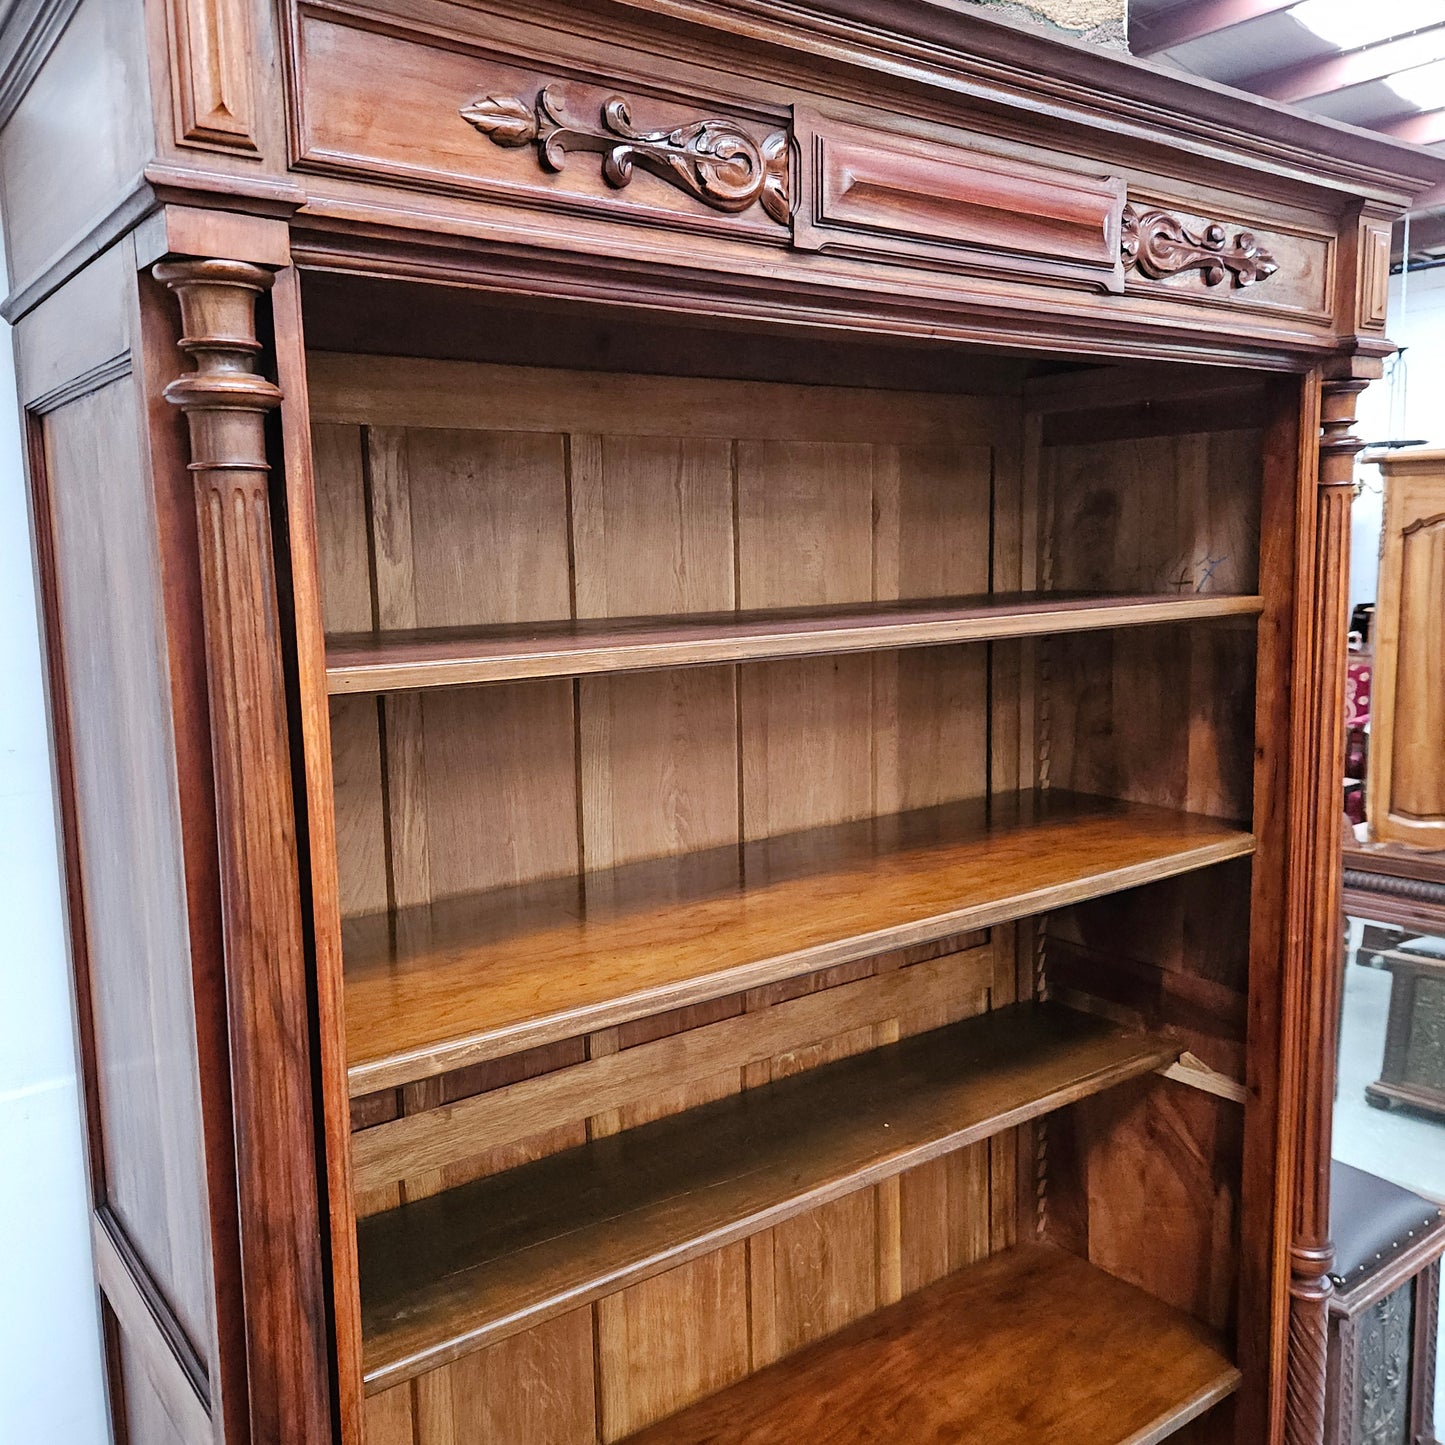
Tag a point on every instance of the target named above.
point(485, 112)
point(867, 192)
point(593, 140)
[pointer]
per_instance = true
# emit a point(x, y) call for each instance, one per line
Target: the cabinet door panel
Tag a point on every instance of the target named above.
point(1407, 755)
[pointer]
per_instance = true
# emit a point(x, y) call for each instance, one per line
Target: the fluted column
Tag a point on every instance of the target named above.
point(1318, 836)
point(226, 403)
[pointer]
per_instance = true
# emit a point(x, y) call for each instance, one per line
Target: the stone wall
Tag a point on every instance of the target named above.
point(1100, 21)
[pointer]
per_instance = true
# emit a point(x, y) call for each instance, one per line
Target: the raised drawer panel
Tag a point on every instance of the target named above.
point(871, 193)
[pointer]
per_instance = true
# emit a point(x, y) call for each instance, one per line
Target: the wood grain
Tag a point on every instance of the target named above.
point(132, 928)
point(649, 1367)
point(213, 52)
point(407, 391)
point(559, 959)
point(537, 1385)
point(225, 403)
point(617, 1080)
point(963, 1360)
point(452, 1273)
point(1406, 783)
point(384, 662)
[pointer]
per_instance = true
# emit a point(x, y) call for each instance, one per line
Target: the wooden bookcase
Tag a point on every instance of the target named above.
point(696, 655)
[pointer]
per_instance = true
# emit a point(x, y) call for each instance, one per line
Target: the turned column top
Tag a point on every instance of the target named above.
point(218, 316)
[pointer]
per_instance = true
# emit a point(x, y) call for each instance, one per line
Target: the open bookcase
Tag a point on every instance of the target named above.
point(795, 862)
point(696, 653)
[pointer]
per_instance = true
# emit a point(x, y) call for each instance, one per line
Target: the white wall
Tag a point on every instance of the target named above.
point(51, 1389)
point(1408, 402)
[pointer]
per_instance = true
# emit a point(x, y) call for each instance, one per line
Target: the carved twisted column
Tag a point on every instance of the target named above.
point(226, 404)
point(1318, 831)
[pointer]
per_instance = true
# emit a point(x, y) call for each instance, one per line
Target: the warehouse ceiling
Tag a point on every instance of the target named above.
point(1373, 63)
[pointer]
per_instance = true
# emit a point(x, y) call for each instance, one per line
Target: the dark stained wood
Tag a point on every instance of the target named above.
point(1264, 1220)
point(382, 662)
point(466, 979)
point(1315, 886)
point(965, 1359)
point(98, 67)
point(169, 452)
point(318, 812)
point(226, 403)
point(174, 1373)
point(625, 1085)
point(452, 1273)
point(916, 199)
point(133, 932)
point(1391, 883)
point(881, 195)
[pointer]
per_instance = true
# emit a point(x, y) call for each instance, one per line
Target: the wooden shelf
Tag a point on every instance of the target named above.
point(385, 662)
point(481, 1261)
point(1030, 1347)
point(453, 983)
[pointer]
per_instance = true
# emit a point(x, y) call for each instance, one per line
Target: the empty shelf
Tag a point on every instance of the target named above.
point(478, 1262)
point(385, 662)
point(438, 987)
point(1030, 1347)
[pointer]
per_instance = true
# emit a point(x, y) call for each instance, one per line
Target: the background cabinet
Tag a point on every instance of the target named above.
point(1407, 778)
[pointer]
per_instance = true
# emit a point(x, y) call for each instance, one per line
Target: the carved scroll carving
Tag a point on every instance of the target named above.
point(716, 161)
point(1159, 245)
point(1383, 1408)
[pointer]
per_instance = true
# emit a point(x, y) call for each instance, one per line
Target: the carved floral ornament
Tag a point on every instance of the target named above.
point(720, 164)
point(716, 161)
point(1159, 245)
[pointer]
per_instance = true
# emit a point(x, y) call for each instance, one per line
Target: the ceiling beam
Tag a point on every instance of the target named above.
point(1432, 200)
point(1194, 19)
point(1425, 128)
point(1325, 74)
point(1427, 233)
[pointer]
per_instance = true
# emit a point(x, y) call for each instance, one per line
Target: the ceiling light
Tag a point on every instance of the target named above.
point(1350, 24)
point(1424, 87)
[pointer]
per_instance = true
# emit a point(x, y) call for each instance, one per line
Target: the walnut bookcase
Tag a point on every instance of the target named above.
point(695, 656)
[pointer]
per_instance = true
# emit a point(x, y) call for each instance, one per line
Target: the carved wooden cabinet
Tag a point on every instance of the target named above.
point(696, 653)
point(1406, 794)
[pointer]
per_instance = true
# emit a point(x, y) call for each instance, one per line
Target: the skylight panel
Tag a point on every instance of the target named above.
point(1424, 87)
point(1350, 24)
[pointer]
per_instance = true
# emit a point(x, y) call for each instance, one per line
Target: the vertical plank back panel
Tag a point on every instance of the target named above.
point(672, 1339)
point(775, 499)
point(483, 519)
point(538, 1386)
point(1156, 513)
point(652, 525)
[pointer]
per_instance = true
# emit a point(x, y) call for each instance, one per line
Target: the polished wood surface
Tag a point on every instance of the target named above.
point(598, 310)
point(1406, 785)
point(1395, 884)
point(317, 806)
point(890, 195)
point(464, 1268)
point(225, 402)
point(131, 932)
point(472, 978)
point(384, 662)
point(964, 1361)
point(1316, 884)
point(625, 1087)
